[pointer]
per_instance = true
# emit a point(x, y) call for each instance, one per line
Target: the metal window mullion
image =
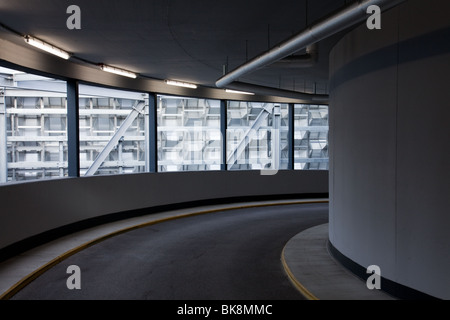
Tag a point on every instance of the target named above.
point(153, 133)
point(276, 141)
point(146, 135)
point(291, 136)
point(223, 131)
point(73, 129)
point(3, 140)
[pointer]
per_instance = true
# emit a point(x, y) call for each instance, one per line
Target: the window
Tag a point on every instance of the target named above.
point(257, 136)
point(33, 127)
point(311, 137)
point(189, 137)
point(113, 131)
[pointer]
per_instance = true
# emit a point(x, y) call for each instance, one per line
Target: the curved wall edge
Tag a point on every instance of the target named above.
point(389, 174)
point(31, 209)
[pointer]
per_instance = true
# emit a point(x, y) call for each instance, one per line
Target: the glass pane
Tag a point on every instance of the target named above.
point(189, 137)
point(257, 136)
point(311, 137)
point(33, 127)
point(113, 131)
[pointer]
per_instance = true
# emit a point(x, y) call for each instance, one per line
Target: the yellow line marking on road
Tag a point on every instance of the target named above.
point(35, 274)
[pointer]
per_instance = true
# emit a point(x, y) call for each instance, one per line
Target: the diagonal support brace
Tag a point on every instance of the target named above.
point(115, 139)
point(254, 128)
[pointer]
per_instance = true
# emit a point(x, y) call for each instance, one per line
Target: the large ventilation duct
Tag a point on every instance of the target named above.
point(348, 17)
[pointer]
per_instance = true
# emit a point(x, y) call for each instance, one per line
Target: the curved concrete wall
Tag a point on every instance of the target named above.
point(389, 139)
point(29, 209)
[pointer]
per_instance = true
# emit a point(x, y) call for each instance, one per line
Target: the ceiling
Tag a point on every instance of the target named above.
point(182, 40)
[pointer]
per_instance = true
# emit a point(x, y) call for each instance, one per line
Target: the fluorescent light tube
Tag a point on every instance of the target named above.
point(118, 71)
point(181, 84)
point(239, 92)
point(47, 47)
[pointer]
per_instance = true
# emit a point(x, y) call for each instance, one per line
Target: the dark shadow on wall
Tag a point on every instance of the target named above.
point(425, 46)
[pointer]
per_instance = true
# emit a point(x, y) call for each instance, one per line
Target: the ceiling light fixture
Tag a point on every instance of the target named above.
point(181, 84)
point(239, 92)
point(47, 47)
point(118, 71)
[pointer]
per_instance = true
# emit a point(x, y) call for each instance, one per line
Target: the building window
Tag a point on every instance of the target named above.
point(33, 127)
point(257, 136)
point(113, 130)
point(189, 137)
point(311, 137)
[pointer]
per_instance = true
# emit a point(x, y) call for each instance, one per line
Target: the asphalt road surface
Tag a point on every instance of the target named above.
point(229, 255)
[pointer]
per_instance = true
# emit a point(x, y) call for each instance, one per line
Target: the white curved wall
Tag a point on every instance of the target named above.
point(389, 139)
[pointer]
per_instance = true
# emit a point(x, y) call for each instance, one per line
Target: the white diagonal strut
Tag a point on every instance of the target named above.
point(115, 139)
point(234, 156)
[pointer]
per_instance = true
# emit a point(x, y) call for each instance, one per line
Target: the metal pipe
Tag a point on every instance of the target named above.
point(349, 16)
